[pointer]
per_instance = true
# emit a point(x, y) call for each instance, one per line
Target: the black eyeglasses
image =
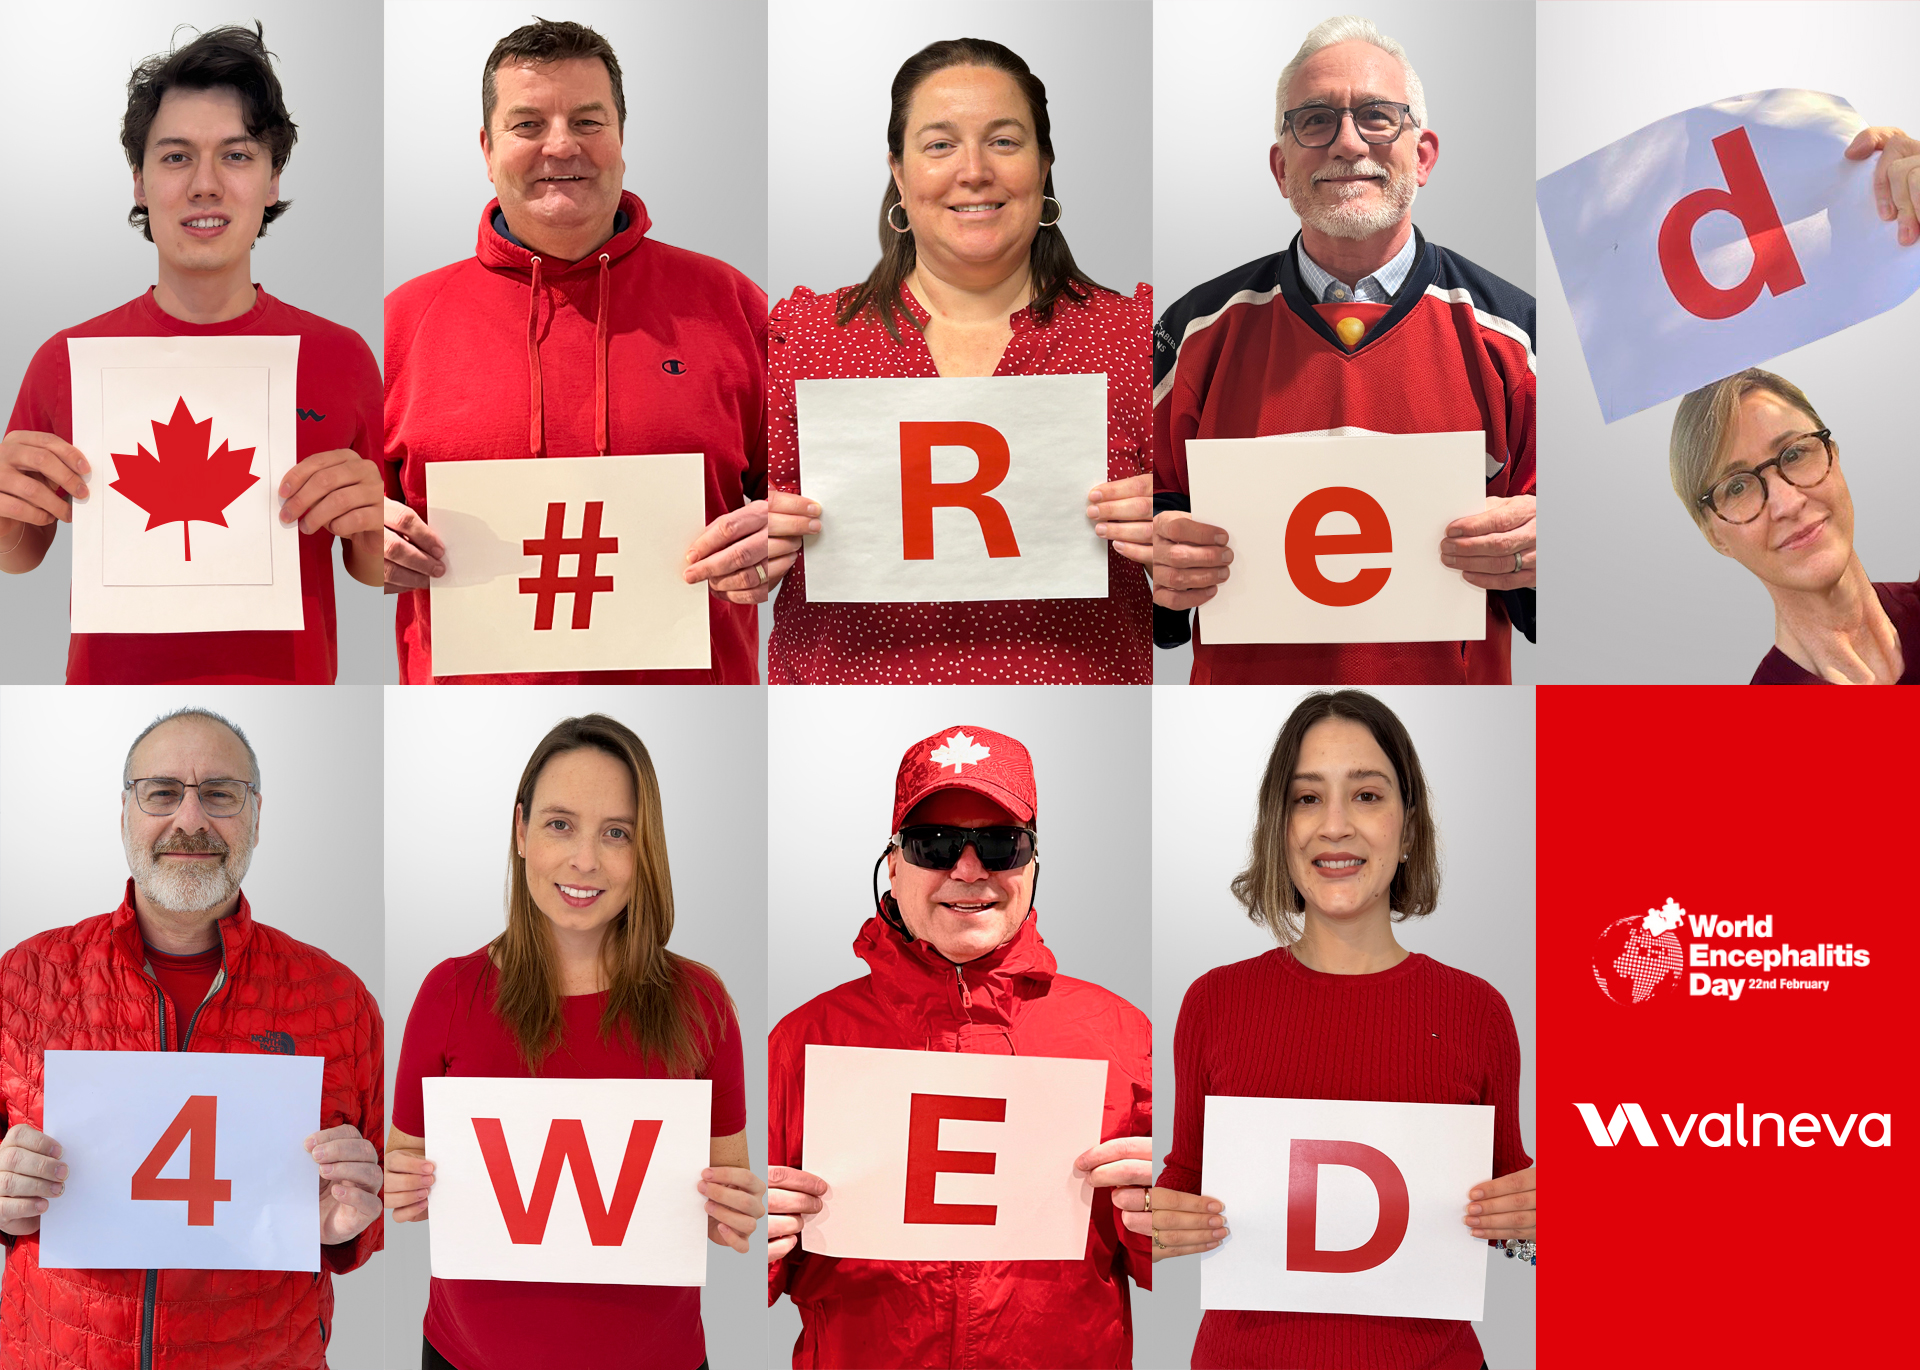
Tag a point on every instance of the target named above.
point(1739, 496)
point(937, 847)
point(1377, 122)
point(161, 795)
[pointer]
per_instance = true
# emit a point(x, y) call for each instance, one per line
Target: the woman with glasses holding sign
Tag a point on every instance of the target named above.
point(974, 279)
point(1759, 471)
point(579, 986)
point(1344, 846)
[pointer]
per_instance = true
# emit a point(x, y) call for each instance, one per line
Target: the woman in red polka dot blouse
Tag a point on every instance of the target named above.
point(971, 282)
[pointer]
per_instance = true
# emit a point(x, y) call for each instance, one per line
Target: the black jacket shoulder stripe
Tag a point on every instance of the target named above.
point(1500, 305)
point(1255, 283)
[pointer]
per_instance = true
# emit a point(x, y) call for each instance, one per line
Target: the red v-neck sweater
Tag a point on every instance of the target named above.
point(1420, 1033)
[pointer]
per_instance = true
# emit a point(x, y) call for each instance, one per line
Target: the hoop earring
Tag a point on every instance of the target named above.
point(1058, 211)
point(897, 228)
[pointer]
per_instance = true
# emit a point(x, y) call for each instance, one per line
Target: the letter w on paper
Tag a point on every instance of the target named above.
point(939, 1155)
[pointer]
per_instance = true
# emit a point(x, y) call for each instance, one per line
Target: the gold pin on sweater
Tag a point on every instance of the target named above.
point(1350, 331)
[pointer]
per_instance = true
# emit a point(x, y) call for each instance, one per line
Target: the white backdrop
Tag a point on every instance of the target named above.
point(453, 760)
point(1209, 751)
point(1215, 206)
point(315, 874)
point(1638, 595)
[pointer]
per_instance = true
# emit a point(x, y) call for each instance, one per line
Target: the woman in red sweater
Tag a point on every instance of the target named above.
point(974, 279)
point(579, 986)
point(1343, 848)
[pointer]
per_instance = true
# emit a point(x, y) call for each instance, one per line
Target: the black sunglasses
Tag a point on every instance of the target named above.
point(935, 846)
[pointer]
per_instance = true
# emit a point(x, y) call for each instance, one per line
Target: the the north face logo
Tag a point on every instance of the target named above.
point(279, 1043)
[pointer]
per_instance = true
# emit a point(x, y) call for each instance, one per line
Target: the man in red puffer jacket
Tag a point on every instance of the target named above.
point(957, 964)
point(182, 966)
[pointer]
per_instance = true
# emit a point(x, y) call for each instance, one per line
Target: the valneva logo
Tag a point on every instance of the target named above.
point(1738, 1128)
point(1638, 957)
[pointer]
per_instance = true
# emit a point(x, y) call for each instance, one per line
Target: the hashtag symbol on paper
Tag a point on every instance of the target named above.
point(583, 584)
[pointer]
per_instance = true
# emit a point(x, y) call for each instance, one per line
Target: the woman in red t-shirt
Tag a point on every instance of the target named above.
point(1344, 847)
point(579, 986)
point(974, 279)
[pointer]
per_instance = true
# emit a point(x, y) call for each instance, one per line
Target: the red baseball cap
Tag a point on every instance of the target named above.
point(961, 758)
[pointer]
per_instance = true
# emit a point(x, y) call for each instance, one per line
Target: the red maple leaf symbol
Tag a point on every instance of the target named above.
point(183, 483)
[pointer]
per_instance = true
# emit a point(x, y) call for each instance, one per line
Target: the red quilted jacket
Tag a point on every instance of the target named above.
point(1053, 1314)
point(86, 988)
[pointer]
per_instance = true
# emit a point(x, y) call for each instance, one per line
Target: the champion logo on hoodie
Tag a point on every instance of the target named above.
point(673, 366)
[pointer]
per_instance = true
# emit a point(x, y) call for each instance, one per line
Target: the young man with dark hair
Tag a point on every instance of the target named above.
point(207, 133)
point(570, 332)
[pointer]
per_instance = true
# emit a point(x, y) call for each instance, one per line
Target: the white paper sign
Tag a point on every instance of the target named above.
point(568, 564)
point(953, 489)
point(189, 439)
point(568, 1181)
point(1718, 239)
point(183, 1160)
point(1338, 1206)
point(1297, 507)
point(948, 1156)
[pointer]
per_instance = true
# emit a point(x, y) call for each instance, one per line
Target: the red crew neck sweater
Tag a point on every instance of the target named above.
point(1420, 1033)
point(337, 392)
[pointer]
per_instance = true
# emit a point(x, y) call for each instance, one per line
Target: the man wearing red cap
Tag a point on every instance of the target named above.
point(956, 964)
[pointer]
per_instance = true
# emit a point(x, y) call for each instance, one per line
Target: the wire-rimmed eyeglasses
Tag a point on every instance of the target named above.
point(1377, 122)
point(161, 795)
point(1739, 496)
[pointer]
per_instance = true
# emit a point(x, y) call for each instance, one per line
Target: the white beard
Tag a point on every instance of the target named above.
point(193, 888)
point(1345, 219)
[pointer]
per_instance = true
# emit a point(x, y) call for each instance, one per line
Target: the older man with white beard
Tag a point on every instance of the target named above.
point(182, 966)
point(1360, 324)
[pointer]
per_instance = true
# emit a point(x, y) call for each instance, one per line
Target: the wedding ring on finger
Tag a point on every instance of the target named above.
point(762, 568)
point(1517, 567)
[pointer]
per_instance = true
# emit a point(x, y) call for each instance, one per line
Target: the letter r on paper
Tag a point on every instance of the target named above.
point(920, 495)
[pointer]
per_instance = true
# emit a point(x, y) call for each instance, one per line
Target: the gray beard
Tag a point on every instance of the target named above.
point(1342, 220)
point(189, 889)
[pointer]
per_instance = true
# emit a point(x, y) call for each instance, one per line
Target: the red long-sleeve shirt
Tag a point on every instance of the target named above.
point(1419, 1033)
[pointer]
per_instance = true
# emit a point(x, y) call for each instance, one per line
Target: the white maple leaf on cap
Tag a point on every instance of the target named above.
point(957, 751)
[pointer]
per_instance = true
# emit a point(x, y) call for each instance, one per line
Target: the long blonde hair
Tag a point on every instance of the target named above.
point(655, 998)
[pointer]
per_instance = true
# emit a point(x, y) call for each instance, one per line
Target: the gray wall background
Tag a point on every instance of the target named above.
point(315, 873)
point(1215, 206)
point(453, 760)
point(1209, 751)
point(695, 142)
point(1640, 596)
point(321, 256)
point(833, 752)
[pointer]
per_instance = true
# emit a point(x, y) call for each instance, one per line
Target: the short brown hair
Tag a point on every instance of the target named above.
point(1703, 426)
point(544, 41)
point(231, 58)
point(1266, 886)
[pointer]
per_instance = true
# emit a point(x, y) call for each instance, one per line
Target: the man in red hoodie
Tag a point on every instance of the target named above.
point(206, 131)
point(181, 965)
point(957, 964)
point(571, 333)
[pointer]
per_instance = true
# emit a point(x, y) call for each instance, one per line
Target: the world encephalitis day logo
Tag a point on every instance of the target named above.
point(1638, 957)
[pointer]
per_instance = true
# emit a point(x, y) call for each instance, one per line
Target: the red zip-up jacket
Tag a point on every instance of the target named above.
point(637, 348)
point(86, 988)
point(1052, 1314)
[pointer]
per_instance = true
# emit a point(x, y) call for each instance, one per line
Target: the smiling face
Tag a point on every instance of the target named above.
point(186, 862)
point(553, 151)
point(970, 173)
point(968, 911)
point(578, 839)
point(205, 182)
point(1346, 824)
point(1352, 188)
point(1803, 538)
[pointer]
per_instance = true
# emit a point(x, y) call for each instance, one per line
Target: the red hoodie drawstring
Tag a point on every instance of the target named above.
point(600, 362)
point(536, 437)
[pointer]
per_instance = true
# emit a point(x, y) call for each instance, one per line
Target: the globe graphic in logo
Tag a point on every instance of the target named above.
point(1638, 957)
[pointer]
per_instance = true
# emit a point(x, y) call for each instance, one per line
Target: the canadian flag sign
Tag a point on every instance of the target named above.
point(1717, 239)
point(1337, 1206)
point(189, 439)
point(183, 1160)
point(587, 1181)
point(949, 1156)
point(953, 489)
point(1336, 538)
point(567, 564)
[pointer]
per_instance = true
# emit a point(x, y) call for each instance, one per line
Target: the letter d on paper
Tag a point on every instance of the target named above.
point(925, 1159)
point(1303, 1206)
point(1748, 200)
point(1306, 545)
point(919, 495)
point(567, 1142)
